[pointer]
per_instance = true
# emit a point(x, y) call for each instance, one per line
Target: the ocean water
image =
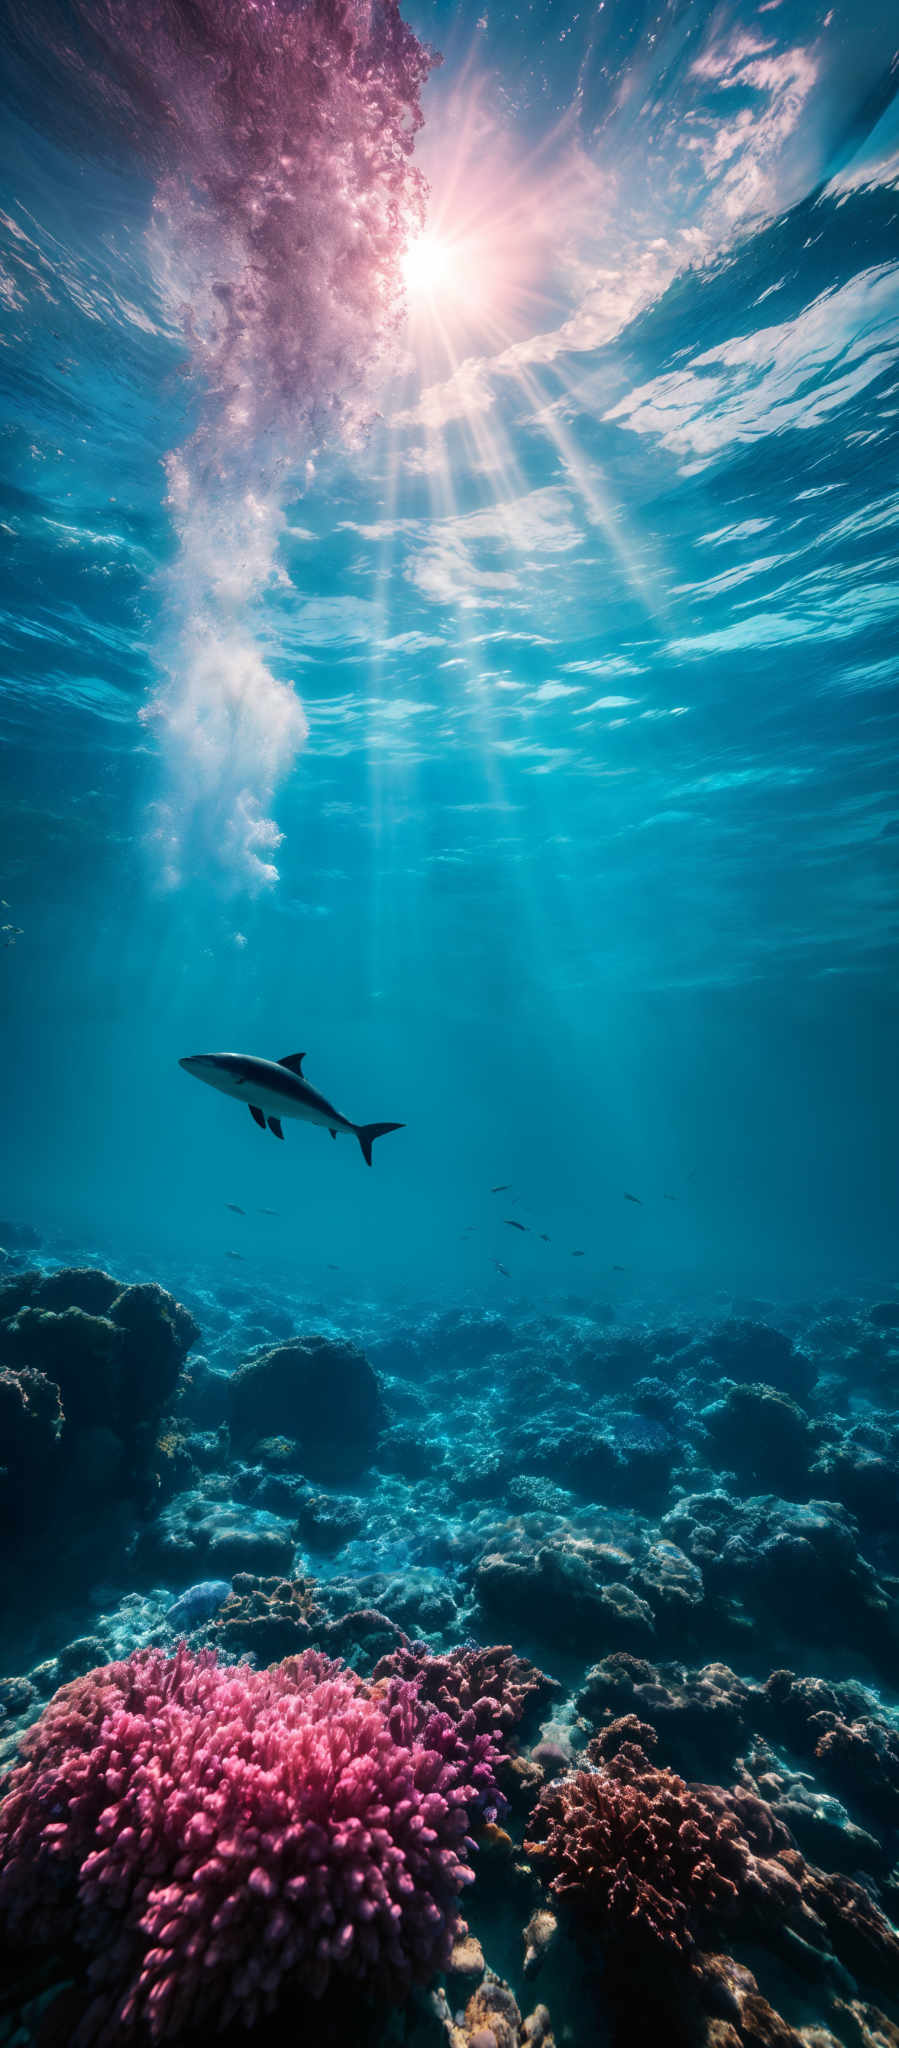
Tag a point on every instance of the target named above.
point(448, 625)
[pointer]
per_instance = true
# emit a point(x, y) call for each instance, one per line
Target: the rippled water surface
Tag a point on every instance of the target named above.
point(491, 690)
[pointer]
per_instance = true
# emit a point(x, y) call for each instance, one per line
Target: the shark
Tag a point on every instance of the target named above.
point(273, 1089)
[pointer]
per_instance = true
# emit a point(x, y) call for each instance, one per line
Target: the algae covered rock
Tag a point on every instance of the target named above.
point(31, 1423)
point(762, 1436)
point(87, 1367)
point(747, 1350)
point(320, 1393)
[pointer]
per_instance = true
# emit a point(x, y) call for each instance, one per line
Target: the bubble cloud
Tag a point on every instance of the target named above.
point(280, 138)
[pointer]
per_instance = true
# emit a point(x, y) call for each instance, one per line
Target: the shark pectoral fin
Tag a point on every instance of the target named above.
point(333, 1132)
point(257, 1115)
point(274, 1124)
point(294, 1061)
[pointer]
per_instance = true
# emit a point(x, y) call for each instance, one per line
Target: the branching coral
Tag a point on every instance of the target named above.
point(509, 1686)
point(210, 1835)
point(640, 1854)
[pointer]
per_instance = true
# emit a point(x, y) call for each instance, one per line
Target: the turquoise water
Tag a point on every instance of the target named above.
point(579, 858)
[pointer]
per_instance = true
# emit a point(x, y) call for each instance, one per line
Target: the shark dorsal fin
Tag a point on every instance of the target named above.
point(293, 1060)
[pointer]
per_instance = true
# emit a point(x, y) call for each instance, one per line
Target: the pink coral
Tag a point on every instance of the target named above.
point(210, 1833)
point(500, 1686)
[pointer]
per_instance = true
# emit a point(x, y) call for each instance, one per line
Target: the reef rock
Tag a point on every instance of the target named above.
point(564, 1591)
point(320, 1393)
point(746, 1350)
point(763, 1437)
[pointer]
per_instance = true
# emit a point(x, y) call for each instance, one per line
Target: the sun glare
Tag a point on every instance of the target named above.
point(427, 266)
point(481, 273)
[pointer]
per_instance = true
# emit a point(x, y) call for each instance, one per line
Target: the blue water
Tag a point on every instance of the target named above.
point(449, 591)
point(589, 856)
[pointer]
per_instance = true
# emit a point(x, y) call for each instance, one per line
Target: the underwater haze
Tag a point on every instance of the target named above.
point(489, 690)
point(449, 462)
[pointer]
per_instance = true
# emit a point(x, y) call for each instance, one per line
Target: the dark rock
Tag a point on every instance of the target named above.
point(564, 1591)
point(203, 1394)
point(605, 1362)
point(16, 1695)
point(701, 1717)
point(796, 1563)
point(362, 1636)
point(865, 1479)
point(81, 1351)
point(19, 1237)
point(884, 1315)
point(763, 1437)
point(31, 1424)
point(406, 1451)
point(86, 1653)
point(753, 1351)
point(327, 1521)
point(321, 1393)
point(84, 1287)
point(203, 1535)
point(158, 1335)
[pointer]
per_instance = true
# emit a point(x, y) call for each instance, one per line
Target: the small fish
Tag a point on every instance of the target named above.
point(503, 1188)
point(235, 1208)
point(669, 1198)
point(234, 1255)
point(578, 1255)
point(268, 1212)
point(513, 1225)
point(634, 1198)
point(543, 1237)
point(504, 1270)
point(333, 1269)
point(619, 1269)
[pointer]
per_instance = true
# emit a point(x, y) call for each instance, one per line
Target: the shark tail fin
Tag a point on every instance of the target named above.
point(367, 1133)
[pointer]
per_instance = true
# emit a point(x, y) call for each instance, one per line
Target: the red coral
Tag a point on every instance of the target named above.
point(208, 1833)
point(646, 1858)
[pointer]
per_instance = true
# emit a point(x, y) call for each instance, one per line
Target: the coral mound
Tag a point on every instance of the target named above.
point(214, 1836)
point(502, 1687)
point(644, 1857)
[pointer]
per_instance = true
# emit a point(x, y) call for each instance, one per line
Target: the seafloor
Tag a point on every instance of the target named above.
point(625, 1591)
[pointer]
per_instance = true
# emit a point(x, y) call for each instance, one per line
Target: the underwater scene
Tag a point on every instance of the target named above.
point(449, 1269)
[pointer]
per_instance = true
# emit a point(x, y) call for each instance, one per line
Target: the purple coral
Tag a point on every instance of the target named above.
point(505, 1687)
point(210, 1834)
point(481, 1695)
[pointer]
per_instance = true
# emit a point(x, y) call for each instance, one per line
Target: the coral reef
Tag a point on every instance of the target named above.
point(640, 1855)
point(87, 1367)
point(266, 1618)
point(322, 1394)
point(763, 1437)
point(743, 1349)
point(205, 1531)
point(506, 1686)
point(204, 1833)
point(31, 1421)
point(658, 1515)
point(655, 1868)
